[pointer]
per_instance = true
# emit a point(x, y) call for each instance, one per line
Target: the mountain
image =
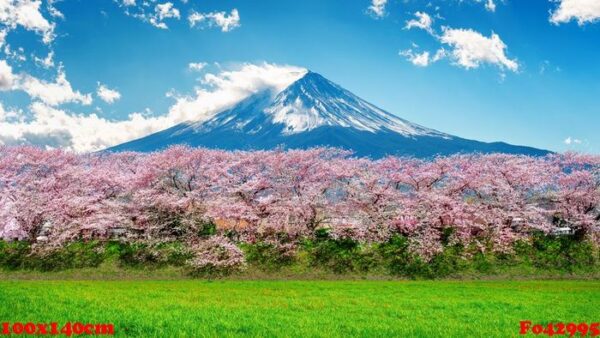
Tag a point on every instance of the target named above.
point(314, 111)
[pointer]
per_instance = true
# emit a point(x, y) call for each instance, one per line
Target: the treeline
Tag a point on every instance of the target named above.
point(216, 211)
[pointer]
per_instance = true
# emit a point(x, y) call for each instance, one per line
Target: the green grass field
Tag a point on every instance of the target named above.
point(302, 308)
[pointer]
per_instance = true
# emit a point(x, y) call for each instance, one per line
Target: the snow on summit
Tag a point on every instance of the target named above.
point(313, 101)
point(302, 109)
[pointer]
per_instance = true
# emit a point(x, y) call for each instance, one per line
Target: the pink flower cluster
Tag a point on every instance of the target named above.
point(53, 197)
point(217, 253)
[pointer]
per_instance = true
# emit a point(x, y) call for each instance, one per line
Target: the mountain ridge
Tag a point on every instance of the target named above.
point(310, 112)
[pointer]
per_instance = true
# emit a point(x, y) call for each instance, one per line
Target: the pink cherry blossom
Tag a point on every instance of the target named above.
point(51, 197)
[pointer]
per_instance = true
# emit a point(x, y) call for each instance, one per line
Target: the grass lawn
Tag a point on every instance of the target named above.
point(302, 308)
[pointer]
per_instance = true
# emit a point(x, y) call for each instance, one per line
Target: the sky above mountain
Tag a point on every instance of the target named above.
point(88, 74)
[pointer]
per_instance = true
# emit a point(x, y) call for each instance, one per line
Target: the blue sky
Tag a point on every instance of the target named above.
point(524, 72)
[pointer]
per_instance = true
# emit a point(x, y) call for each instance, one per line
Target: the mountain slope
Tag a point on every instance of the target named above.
point(314, 111)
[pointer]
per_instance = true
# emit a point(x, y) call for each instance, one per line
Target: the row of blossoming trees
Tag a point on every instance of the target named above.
point(50, 198)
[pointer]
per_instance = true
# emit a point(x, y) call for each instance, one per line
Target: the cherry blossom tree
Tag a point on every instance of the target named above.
point(52, 197)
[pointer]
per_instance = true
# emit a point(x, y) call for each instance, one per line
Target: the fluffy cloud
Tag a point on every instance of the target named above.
point(107, 95)
point(423, 21)
point(166, 10)
point(223, 90)
point(423, 59)
point(465, 47)
point(470, 49)
point(27, 14)
point(584, 11)
point(158, 14)
point(52, 93)
point(417, 59)
point(162, 12)
point(219, 19)
point(54, 127)
point(377, 8)
point(7, 78)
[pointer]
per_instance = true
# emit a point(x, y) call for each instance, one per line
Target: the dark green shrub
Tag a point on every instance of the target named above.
point(175, 253)
point(565, 253)
point(340, 255)
point(13, 255)
point(72, 256)
point(20, 255)
point(562, 254)
point(482, 263)
point(450, 261)
point(140, 255)
point(268, 256)
point(399, 261)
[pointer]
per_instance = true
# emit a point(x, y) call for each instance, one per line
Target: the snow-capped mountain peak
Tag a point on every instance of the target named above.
point(313, 111)
point(313, 101)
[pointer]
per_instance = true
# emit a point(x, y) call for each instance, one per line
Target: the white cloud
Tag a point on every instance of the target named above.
point(7, 78)
point(569, 141)
point(197, 66)
point(17, 55)
point(52, 93)
point(423, 21)
point(584, 11)
point(53, 127)
point(417, 59)
point(161, 12)
point(167, 10)
point(53, 10)
point(223, 90)
point(47, 62)
point(27, 14)
point(490, 5)
point(3, 34)
point(107, 95)
point(377, 8)
point(470, 49)
point(439, 54)
point(423, 59)
point(220, 19)
point(155, 16)
point(466, 48)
